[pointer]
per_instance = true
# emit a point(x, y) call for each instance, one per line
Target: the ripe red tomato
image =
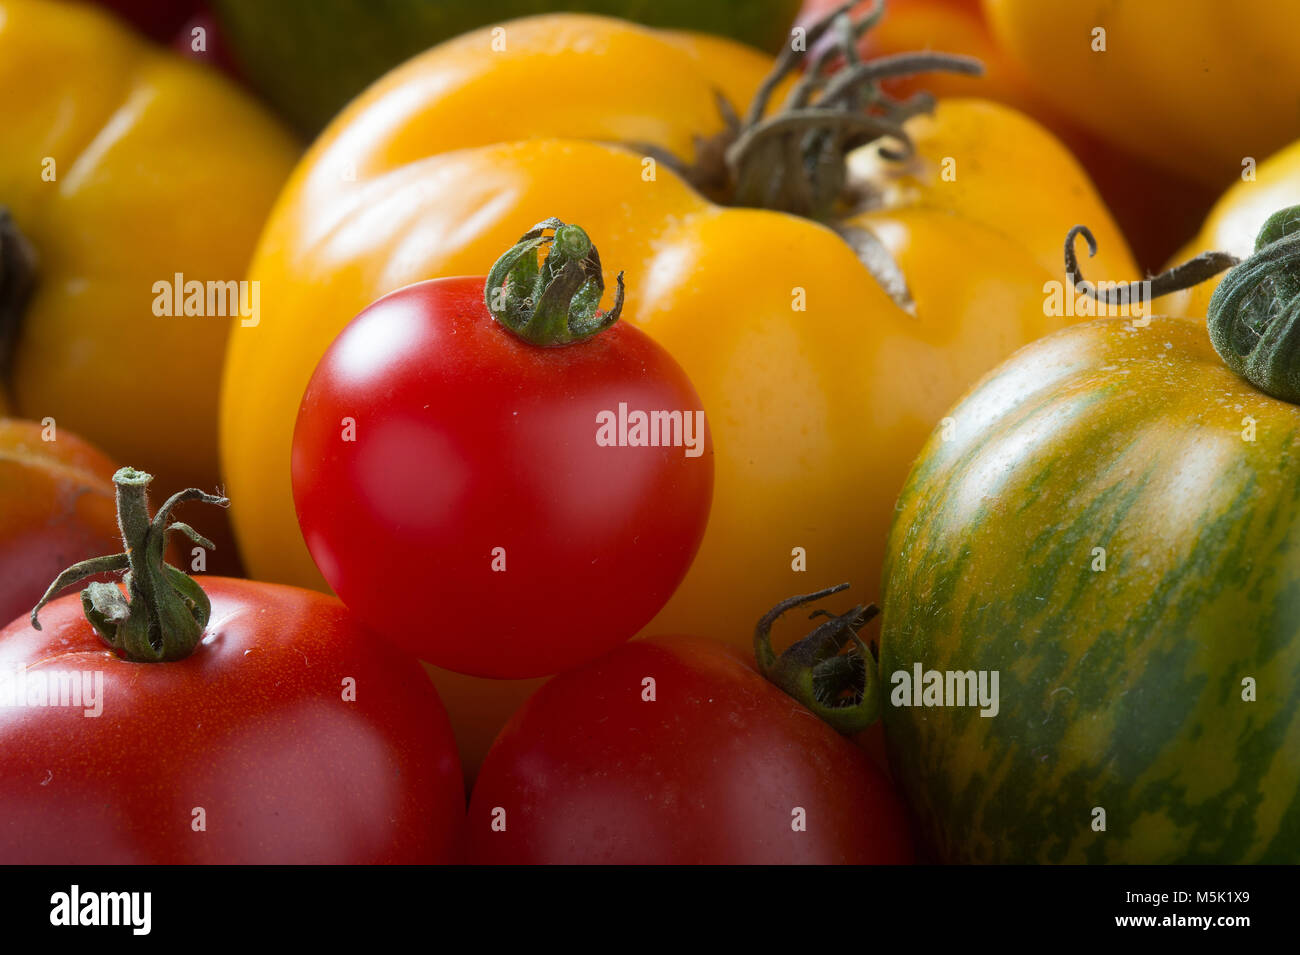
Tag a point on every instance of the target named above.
point(452, 490)
point(720, 767)
point(246, 751)
point(56, 506)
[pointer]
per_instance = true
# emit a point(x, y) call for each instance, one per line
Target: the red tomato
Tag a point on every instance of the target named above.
point(56, 507)
point(245, 751)
point(473, 518)
point(715, 769)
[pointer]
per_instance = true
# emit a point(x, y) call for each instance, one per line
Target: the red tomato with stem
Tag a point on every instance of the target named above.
point(676, 750)
point(286, 734)
point(509, 491)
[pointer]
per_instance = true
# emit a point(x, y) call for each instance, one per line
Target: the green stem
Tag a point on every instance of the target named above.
point(1254, 315)
point(556, 302)
point(796, 159)
point(164, 612)
point(841, 688)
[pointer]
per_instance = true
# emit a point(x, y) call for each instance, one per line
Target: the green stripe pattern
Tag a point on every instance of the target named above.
point(1124, 689)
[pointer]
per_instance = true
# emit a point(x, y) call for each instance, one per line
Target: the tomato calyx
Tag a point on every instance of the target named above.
point(796, 159)
point(555, 301)
point(164, 613)
point(840, 687)
point(1254, 315)
point(17, 282)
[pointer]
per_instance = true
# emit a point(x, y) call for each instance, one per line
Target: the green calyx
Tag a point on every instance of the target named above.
point(793, 157)
point(555, 301)
point(1254, 314)
point(842, 688)
point(164, 612)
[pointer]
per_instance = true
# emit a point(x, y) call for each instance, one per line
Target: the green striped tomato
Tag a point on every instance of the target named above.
point(1111, 521)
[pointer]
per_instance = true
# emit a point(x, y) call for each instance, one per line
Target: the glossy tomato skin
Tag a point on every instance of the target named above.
point(253, 729)
point(56, 508)
point(709, 772)
point(476, 451)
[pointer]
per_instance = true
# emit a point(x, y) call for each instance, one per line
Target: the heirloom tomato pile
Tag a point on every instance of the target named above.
point(512, 377)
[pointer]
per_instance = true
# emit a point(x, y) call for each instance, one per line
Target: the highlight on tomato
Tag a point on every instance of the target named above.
point(496, 474)
point(159, 721)
point(684, 750)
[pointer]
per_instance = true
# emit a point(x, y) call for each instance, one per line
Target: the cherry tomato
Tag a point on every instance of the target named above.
point(675, 750)
point(457, 487)
point(288, 736)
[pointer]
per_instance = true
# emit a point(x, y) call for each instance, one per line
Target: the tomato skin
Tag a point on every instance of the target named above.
point(708, 773)
point(816, 414)
point(252, 727)
point(1168, 64)
point(469, 439)
point(105, 234)
point(56, 508)
point(1232, 225)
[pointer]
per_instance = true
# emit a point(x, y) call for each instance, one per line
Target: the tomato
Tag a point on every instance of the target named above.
point(127, 169)
point(674, 750)
point(457, 488)
point(1130, 183)
point(287, 735)
point(1235, 221)
point(954, 26)
point(56, 507)
point(303, 55)
point(1111, 523)
point(1165, 66)
point(820, 385)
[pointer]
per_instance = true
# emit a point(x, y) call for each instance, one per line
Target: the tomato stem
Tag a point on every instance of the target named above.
point(164, 613)
point(17, 282)
point(841, 688)
point(795, 159)
point(556, 302)
point(1183, 276)
point(1254, 315)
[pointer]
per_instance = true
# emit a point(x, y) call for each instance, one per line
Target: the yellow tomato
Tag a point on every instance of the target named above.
point(818, 386)
point(1195, 86)
point(124, 166)
point(1234, 222)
